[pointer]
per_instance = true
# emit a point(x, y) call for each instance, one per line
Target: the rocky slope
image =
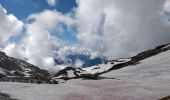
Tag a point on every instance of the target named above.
point(11, 68)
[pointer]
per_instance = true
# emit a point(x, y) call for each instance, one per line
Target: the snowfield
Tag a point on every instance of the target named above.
point(104, 67)
point(147, 80)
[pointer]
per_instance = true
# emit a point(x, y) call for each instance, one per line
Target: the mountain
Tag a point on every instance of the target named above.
point(11, 68)
point(95, 71)
point(145, 76)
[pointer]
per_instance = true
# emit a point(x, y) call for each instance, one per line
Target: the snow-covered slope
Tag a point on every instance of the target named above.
point(147, 77)
point(154, 69)
point(106, 66)
point(94, 71)
point(90, 72)
point(147, 80)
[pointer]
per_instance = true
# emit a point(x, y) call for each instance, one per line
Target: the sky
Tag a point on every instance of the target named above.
point(23, 8)
point(40, 31)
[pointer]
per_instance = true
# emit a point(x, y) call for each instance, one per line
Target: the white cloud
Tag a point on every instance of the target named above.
point(89, 18)
point(167, 6)
point(120, 28)
point(52, 2)
point(49, 61)
point(112, 28)
point(78, 63)
point(38, 44)
point(9, 26)
point(15, 50)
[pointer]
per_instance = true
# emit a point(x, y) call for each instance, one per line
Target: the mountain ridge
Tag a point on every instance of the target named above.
point(12, 68)
point(94, 72)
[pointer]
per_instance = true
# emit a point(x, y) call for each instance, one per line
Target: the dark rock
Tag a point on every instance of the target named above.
point(89, 76)
point(15, 68)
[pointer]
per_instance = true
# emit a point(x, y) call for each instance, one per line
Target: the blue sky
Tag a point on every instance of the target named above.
point(23, 8)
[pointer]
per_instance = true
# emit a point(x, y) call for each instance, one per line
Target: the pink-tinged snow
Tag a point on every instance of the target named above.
point(149, 80)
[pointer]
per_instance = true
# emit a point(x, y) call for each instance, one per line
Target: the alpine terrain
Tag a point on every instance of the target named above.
point(12, 69)
point(142, 77)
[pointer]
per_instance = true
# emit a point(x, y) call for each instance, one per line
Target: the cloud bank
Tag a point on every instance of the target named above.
point(38, 45)
point(120, 28)
point(9, 26)
point(109, 28)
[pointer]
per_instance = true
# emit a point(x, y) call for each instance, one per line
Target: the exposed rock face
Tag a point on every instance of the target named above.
point(11, 68)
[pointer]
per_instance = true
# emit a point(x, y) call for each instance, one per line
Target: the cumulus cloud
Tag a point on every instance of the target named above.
point(63, 53)
point(120, 28)
point(52, 2)
point(9, 26)
point(39, 37)
point(38, 45)
point(110, 28)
